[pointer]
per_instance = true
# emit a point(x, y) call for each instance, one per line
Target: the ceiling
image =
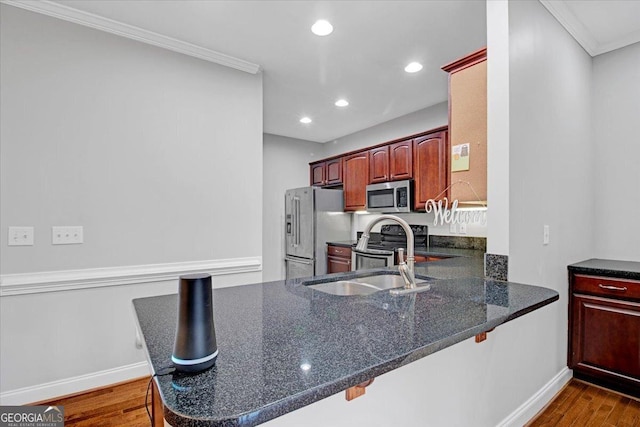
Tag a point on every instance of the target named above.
point(362, 60)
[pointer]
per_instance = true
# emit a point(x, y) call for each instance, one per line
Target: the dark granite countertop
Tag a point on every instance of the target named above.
point(284, 346)
point(608, 267)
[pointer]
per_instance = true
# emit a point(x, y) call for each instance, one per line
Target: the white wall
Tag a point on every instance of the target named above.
point(153, 152)
point(286, 165)
point(616, 109)
point(419, 121)
point(498, 126)
point(96, 128)
point(550, 173)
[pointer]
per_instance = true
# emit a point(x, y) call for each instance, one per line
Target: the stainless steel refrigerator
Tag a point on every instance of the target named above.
point(313, 217)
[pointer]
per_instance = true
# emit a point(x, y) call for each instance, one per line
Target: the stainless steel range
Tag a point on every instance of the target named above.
point(382, 246)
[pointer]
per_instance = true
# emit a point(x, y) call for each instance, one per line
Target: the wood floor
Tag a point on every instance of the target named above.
point(578, 405)
point(583, 405)
point(117, 405)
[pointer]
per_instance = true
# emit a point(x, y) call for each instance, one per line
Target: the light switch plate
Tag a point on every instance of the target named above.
point(67, 235)
point(462, 228)
point(20, 236)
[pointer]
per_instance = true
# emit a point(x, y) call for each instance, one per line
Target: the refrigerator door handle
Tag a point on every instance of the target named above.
point(298, 221)
point(297, 260)
point(294, 221)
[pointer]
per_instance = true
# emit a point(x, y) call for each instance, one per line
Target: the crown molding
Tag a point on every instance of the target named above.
point(467, 61)
point(568, 20)
point(562, 13)
point(627, 40)
point(87, 19)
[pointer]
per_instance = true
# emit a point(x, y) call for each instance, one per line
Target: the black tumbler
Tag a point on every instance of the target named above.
point(195, 347)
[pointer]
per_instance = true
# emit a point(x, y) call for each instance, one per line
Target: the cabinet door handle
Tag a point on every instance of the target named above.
point(612, 288)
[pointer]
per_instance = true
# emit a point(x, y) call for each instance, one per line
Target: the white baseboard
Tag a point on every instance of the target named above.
point(72, 385)
point(535, 403)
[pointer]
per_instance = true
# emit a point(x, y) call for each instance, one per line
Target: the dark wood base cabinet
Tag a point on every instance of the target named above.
point(338, 259)
point(604, 331)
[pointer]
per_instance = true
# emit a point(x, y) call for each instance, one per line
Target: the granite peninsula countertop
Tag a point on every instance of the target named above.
point(284, 346)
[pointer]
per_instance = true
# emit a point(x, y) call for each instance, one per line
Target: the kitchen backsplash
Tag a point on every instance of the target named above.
point(423, 218)
point(458, 242)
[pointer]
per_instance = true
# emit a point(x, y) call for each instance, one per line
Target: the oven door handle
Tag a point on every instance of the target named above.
point(374, 253)
point(298, 261)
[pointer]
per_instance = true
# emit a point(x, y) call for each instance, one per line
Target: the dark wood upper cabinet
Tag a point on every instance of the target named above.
point(379, 164)
point(334, 171)
point(328, 172)
point(355, 173)
point(423, 157)
point(431, 168)
point(401, 160)
point(317, 171)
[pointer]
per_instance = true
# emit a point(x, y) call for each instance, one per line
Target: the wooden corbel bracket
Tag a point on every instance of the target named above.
point(357, 390)
point(483, 335)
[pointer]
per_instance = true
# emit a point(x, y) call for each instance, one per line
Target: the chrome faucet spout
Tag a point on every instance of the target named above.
point(406, 269)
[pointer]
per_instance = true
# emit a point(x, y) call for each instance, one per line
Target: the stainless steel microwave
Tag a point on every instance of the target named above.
point(390, 197)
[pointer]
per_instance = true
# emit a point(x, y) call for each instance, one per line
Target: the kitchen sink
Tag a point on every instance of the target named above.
point(361, 286)
point(345, 288)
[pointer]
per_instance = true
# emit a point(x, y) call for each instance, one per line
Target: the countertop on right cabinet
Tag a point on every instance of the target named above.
point(608, 267)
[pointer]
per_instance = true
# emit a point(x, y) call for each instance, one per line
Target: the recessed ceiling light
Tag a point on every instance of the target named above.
point(322, 28)
point(305, 120)
point(342, 103)
point(414, 67)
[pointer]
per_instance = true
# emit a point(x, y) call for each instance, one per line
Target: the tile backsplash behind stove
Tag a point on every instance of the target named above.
point(459, 242)
point(423, 218)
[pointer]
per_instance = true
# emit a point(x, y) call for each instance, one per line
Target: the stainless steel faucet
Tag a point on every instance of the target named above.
point(406, 269)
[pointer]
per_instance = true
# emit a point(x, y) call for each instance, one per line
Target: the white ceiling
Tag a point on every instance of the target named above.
point(362, 60)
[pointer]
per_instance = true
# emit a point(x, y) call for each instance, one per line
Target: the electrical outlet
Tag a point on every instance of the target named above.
point(462, 228)
point(20, 236)
point(70, 235)
point(545, 235)
point(452, 228)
